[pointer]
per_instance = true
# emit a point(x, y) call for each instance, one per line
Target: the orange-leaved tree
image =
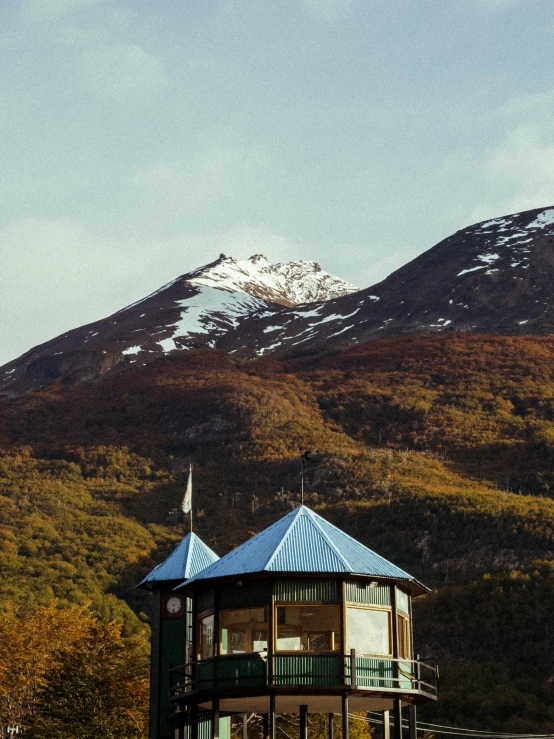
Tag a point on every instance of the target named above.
point(63, 674)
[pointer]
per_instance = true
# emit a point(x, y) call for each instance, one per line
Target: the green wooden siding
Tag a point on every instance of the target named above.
point(205, 727)
point(308, 669)
point(205, 600)
point(307, 591)
point(241, 672)
point(358, 591)
point(205, 675)
point(372, 673)
point(253, 593)
point(155, 667)
point(172, 654)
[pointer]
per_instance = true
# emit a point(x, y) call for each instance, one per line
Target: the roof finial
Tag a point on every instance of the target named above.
point(304, 457)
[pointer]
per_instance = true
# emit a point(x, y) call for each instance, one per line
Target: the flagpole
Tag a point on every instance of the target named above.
point(302, 480)
point(190, 474)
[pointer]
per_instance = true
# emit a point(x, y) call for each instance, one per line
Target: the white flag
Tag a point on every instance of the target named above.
point(186, 505)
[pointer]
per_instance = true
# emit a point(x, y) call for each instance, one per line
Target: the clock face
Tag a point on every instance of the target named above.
point(174, 604)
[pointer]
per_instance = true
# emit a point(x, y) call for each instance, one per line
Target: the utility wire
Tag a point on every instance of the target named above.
point(477, 733)
point(474, 731)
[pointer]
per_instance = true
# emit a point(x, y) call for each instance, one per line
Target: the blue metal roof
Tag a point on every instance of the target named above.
point(302, 541)
point(187, 559)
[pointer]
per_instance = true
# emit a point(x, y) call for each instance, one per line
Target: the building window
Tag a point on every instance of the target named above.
point(368, 631)
point(205, 636)
point(243, 630)
point(308, 628)
point(404, 646)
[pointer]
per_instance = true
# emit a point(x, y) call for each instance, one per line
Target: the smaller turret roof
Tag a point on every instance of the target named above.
point(187, 559)
point(302, 541)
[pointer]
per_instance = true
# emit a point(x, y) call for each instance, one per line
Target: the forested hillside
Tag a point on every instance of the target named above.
point(437, 452)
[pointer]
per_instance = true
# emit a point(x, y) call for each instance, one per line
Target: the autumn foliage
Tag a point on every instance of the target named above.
point(64, 674)
point(437, 452)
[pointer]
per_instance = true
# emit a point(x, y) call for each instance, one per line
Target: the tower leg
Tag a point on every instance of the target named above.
point(244, 726)
point(330, 726)
point(193, 734)
point(303, 722)
point(272, 716)
point(215, 718)
point(412, 714)
point(345, 715)
point(386, 724)
point(265, 726)
point(397, 712)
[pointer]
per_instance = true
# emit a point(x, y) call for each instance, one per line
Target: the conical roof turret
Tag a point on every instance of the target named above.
point(189, 558)
point(303, 542)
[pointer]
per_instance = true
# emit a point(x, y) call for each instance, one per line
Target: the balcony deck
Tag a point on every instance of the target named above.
point(246, 675)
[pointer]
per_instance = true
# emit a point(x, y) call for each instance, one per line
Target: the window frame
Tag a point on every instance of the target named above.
point(404, 637)
point(265, 608)
point(199, 618)
point(305, 604)
point(382, 609)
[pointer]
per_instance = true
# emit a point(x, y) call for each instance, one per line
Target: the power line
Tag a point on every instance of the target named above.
point(457, 731)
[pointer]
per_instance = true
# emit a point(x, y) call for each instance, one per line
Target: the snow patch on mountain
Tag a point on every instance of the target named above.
point(291, 283)
point(212, 311)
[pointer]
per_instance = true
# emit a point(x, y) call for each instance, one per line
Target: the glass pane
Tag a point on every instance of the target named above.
point(206, 637)
point(404, 637)
point(308, 628)
point(368, 631)
point(243, 630)
point(402, 602)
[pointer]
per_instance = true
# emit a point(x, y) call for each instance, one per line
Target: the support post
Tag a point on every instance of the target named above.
point(244, 726)
point(272, 716)
point(303, 722)
point(395, 639)
point(397, 712)
point(194, 722)
point(412, 721)
point(265, 726)
point(215, 718)
point(330, 726)
point(345, 715)
point(386, 724)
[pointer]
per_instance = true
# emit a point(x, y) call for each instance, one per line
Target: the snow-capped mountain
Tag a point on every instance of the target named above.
point(200, 309)
point(493, 277)
point(287, 283)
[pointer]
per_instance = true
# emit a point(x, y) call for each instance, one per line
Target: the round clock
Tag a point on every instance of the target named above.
point(174, 605)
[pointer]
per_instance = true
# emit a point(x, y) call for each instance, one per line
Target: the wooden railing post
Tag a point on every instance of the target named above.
point(353, 681)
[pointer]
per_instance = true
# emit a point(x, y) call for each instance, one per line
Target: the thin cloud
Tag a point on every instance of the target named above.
point(519, 170)
point(122, 71)
point(58, 274)
point(36, 9)
point(328, 9)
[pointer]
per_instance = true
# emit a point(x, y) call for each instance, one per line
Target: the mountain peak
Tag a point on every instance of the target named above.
point(287, 283)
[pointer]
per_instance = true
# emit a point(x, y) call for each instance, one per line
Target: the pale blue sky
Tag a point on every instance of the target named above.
point(141, 138)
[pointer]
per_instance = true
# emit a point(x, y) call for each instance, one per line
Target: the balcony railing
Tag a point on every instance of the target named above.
point(286, 671)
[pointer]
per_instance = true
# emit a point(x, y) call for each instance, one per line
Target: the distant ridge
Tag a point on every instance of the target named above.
point(494, 277)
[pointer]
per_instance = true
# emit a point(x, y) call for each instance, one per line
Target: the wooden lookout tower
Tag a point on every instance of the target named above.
point(301, 619)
